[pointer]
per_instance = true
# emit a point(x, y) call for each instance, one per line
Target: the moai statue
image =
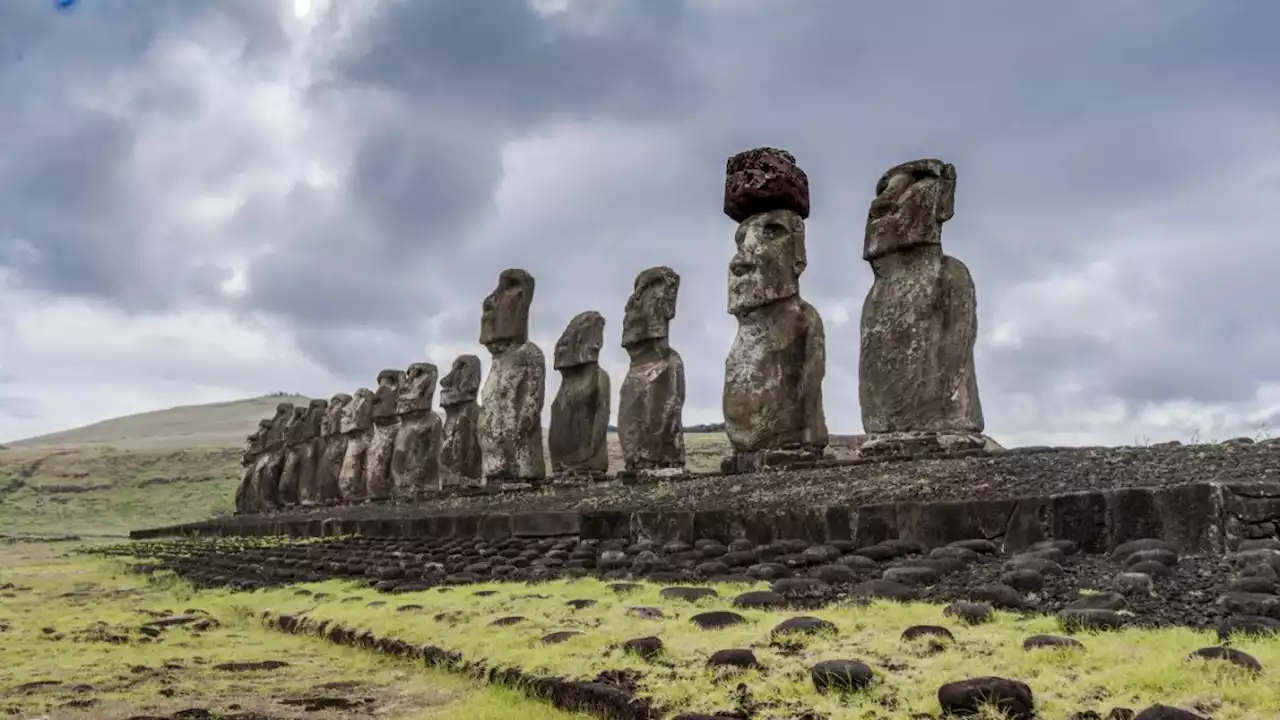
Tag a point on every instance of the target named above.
point(415, 462)
point(460, 452)
point(773, 376)
point(916, 380)
point(515, 391)
point(579, 436)
point(291, 473)
point(377, 469)
point(312, 450)
point(271, 462)
point(246, 491)
point(651, 403)
point(357, 426)
point(334, 442)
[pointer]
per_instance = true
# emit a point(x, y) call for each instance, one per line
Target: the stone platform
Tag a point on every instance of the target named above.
point(1200, 498)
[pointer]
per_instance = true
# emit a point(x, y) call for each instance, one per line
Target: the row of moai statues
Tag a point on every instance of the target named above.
point(917, 385)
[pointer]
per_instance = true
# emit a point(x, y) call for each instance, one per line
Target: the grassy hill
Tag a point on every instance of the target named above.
point(163, 467)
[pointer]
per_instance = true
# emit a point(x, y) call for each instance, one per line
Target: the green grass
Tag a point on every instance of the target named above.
point(81, 597)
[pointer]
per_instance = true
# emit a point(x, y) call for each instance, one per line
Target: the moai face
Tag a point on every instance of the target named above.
point(651, 307)
point(358, 414)
point(419, 388)
point(387, 394)
point(912, 202)
point(254, 443)
point(315, 419)
point(506, 309)
point(279, 421)
point(462, 383)
point(770, 257)
point(581, 341)
point(332, 424)
point(296, 425)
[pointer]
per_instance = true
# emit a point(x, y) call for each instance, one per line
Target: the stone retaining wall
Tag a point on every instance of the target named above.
point(1197, 518)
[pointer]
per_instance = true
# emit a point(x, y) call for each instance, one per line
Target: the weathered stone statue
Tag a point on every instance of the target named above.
point(312, 450)
point(460, 453)
point(290, 473)
point(919, 322)
point(271, 461)
point(377, 471)
point(246, 492)
point(357, 426)
point(579, 437)
point(415, 462)
point(651, 403)
point(334, 444)
point(515, 391)
point(773, 376)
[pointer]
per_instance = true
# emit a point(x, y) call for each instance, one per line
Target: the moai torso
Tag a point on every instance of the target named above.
point(773, 375)
point(312, 451)
point(333, 445)
point(246, 492)
point(291, 471)
point(651, 400)
point(357, 426)
point(377, 478)
point(460, 451)
point(415, 462)
point(271, 461)
point(510, 427)
point(578, 440)
point(919, 321)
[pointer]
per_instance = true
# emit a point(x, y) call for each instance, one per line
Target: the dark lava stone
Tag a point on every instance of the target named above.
point(955, 552)
point(556, 638)
point(741, 545)
point(978, 545)
point(377, 604)
point(912, 576)
point(970, 612)
point(1099, 601)
point(1263, 585)
point(833, 574)
point(1252, 625)
point(408, 608)
point(1124, 550)
point(803, 625)
point(936, 632)
point(462, 578)
point(1242, 603)
point(689, 594)
point(1230, 655)
point(858, 563)
point(1164, 557)
point(793, 546)
point(485, 593)
point(884, 590)
point(1259, 543)
point(967, 697)
point(676, 546)
point(624, 588)
point(736, 658)
point(646, 648)
point(1151, 568)
point(1165, 712)
point(738, 558)
point(645, 613)
point(507, 621)
point(878, 553)
point(769, 571)
point(794, 588)
point(1259, 556)
point(1133, 583)
point(1090, 619)
point(712, 549)
point(998, 595)
point(1068, 547)
point(1025, 580)
point(821, 554)
point(1051, 641)
point(903, 547)
point(580, 604)
point(731, 579)
point(841, 676)
point(671, 576)
point(1041, 565)
point(759, 599)
point(717, 619)
point(712, 567)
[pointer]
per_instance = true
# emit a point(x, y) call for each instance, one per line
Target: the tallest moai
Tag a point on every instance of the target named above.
point(920, 319)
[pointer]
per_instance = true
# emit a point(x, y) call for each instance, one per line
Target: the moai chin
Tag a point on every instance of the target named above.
point(415, 461)
point(579, 437)
point(291, 473)
point(916, 379)
point(651, 401)
point(773, 375)
point(357, 426)
point(334, 449)
point(382, 445)
point(312, 452)
point(460, 452)
point(245, 491)
point(510, 427)
point(271, 462)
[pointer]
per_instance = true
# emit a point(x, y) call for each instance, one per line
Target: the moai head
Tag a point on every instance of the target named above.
point(581, 341)
point(651, 307)
point(316, 411)
point(253, 444)
point(332, 424)
point(506, 309)
point(462, 383)
point(418, 389)
point(357, 416)
point(912, 202)
point(295, 425)
point(769, 197)
point(387, 394)
point(276, 432)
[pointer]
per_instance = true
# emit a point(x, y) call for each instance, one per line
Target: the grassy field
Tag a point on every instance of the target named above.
point(167, 467)
point(75, 643)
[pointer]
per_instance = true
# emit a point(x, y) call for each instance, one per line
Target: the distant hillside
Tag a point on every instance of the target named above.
point(216, 425)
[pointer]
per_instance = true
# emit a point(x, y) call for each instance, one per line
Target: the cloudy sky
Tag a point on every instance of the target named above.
point(207, 201)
